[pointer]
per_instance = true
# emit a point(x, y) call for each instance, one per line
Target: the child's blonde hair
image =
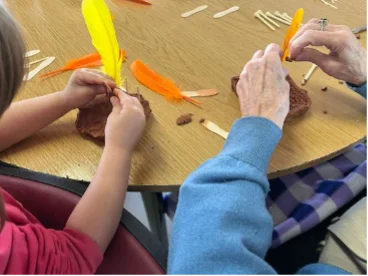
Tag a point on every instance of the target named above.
point(12, 51)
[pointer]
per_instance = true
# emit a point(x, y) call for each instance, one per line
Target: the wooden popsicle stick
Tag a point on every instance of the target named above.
point(31, 53)
point(256, 14)
point(309, 74)
point(267, 18)
point(328, 4)
point(41, 66)
point(226, 12)
point(108, 89)
point(214, 128)
point(287, 16)
point(198, 9)
point(281, 16)
point(36, 61)
point(200, 93)
point(278, 18)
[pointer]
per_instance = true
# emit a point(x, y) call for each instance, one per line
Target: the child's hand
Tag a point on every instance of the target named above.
point(125, 124)
point(83, 86)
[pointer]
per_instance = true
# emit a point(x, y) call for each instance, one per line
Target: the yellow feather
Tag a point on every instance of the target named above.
point(99, 23)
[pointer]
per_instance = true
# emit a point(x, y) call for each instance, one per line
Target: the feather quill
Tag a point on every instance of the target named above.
point(99, 23)
point(294, 27)
point(158, 83)
point(91, 60)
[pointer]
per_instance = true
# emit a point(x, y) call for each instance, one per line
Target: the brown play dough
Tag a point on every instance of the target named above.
point(91, 119)
point(299, 99)
point(184, 119)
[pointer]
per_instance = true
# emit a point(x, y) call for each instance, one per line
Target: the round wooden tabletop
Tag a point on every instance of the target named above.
point(197, 52)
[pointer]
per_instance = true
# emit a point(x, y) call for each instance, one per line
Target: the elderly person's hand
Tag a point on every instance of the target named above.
point(262, 88)
point(347, 59)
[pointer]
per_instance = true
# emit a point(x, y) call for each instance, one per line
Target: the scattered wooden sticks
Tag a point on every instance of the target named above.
point(226, 12)
point(329, 4)
point(34, 62)
point(191, 12)
point(309, 74)
point(270, 15)
point(200, 93)
point(258, 15)
point(269, 19)
point(31, 53)
point(214, 128)
point(41, 66)
point(287, 16)
point(277, 13)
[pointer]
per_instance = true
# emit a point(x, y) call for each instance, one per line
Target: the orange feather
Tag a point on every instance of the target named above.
point(158, 83)
point(143, 2)
point(88, 61)
point(76, 63)
point(294, 27)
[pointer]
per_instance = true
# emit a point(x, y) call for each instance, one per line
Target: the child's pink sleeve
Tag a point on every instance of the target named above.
point(37, 250)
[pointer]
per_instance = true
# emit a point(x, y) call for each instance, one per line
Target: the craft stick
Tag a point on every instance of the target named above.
point(108, 89)
point(214, 128)
point(138, 93)
point(328, 4)
point(287, 16)
point(36, 61)
point(278, 18)
point(281, 16)
point(309, 74)
point(359, 29)
point(256, 14)
point(200, 93)
point(192, 101)
point(333, 1)
point(267, 18)
point(31, 53)
point(198, 9)
point(226, 12)
point(41, 66)
point(126, 85)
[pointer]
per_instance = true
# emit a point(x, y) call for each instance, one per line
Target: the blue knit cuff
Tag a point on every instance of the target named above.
point(252, 140)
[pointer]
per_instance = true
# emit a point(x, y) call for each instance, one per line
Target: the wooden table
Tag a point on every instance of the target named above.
point(197, 52)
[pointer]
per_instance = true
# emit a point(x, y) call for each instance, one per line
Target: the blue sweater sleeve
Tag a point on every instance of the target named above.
point(221, 224)
point(361, 90)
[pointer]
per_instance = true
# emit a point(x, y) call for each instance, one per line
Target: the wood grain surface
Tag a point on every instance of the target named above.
point(198, 52)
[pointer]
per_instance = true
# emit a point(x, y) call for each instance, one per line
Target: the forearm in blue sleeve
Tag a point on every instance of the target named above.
point(221, 225)
point(361, 90)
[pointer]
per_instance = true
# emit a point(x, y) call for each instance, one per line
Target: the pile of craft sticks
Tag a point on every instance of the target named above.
point(273, 20)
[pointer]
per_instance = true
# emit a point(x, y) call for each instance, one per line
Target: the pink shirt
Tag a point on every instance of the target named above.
point(26, 247)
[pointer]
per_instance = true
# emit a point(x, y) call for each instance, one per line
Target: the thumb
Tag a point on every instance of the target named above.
point(116, 106)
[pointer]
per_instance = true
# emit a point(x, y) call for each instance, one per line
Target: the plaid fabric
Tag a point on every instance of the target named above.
point(300, 201)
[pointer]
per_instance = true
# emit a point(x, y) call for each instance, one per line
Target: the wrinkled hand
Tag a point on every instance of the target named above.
point(83, 86)
point(125, 123)
point(347, 59)
point(262, 88)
